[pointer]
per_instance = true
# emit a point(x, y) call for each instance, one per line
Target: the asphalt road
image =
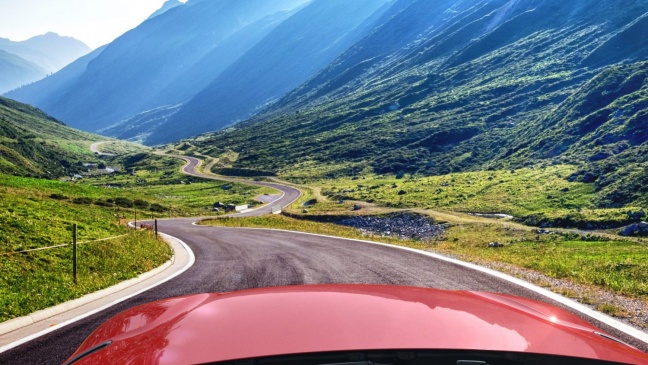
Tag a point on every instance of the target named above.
point(232, 258)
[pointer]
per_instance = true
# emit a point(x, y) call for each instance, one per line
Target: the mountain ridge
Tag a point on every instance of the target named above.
point(168, 5)
point(16, 71)
point(33, 59)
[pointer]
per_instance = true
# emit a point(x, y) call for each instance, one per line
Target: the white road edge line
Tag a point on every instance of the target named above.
point(262, 206)
point(24, 340)
point(601, 317)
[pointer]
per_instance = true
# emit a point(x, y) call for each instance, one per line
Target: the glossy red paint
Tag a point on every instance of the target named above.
point(303, 319)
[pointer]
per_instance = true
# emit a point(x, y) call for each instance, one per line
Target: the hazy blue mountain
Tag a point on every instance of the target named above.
point(49, 89)
point(189, 82)
point(403, 32)
point(49, 51)
point(293, 52)
point(138, 127)
point(126, 78)
point(16, 71)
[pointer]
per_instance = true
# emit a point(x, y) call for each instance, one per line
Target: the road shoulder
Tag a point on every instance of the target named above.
point(23, 329)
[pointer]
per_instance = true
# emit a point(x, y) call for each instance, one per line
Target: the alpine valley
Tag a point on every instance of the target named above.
point(509, 133)
point(340, 88)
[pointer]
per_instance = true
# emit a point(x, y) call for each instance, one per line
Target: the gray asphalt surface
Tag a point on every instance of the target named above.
point(231, 258)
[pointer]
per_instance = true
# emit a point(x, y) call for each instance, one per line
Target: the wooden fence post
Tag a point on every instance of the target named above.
point(74, 252)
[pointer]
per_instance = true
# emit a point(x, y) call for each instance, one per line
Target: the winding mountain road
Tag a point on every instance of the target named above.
point(289, 194)
point(232, 258)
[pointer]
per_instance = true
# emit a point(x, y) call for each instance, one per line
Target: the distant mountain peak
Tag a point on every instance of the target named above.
point(168, 5)
point(53, 36)
point(41, 55)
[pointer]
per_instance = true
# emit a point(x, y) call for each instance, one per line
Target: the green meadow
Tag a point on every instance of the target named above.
point(38, 213)
point(40, 279)
point(515, 192)
point(542, 195)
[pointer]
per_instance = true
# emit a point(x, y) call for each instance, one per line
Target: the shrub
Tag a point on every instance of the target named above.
point(141, 204)
point(104, 203)
point(58, 196)
point(155, 207)
point(82, 200)
point(124, 202)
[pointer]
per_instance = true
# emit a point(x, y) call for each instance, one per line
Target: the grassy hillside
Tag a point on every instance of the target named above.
point(35, 144)
point(37, 213)
point(599, 128)
point(603, 128)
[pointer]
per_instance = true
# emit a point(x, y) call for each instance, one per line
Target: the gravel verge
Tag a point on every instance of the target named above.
point(399, 225)
point(632, 311)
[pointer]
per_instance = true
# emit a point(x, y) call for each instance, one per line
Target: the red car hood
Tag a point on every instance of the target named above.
point(304, 319)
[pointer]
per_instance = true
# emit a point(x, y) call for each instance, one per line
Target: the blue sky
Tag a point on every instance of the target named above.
point(94, 22)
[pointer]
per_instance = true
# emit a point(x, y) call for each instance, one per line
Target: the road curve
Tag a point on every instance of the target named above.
point(95, 148)
point(230, 259)
point(289, 194)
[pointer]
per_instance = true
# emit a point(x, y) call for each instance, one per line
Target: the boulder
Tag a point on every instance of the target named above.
point(635, 229)
point(636, 216)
